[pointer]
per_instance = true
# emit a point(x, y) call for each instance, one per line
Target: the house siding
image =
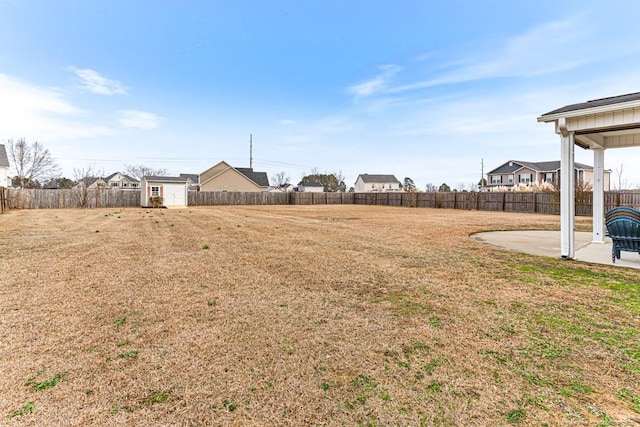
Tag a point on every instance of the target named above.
point(213, 171)
point(519, 171)
point(376, 187)
point(229, 180)
point(4, 176)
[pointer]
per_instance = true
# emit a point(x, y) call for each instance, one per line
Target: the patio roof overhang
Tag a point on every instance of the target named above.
point(596, 125)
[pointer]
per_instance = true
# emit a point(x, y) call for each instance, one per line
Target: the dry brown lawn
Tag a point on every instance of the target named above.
point(306, 315)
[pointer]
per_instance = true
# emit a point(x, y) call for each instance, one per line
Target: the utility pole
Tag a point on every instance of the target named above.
point(481, 172)
point(251, 151)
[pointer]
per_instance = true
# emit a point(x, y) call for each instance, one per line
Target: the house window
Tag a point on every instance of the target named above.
point(526, 178)
point(496, 179)
point(510, 179)
point(548, 177)
point(155, 191)
point(114, 184)
point(124, 184)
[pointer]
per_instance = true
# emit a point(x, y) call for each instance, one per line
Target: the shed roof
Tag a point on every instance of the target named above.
point(177, 179)
point(4, 160)
point(378, 178)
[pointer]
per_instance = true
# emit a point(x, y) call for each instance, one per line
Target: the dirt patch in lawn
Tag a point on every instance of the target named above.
point(298, 315)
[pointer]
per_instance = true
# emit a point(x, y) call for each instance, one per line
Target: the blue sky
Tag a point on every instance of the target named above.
point(418, 89)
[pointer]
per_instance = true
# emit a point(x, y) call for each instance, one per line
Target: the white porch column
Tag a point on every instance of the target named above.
point(567, 197)
point(598, 195)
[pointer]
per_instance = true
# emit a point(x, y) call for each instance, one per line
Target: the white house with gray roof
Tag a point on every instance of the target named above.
point(516, 172)
point(366, 183)
point(4, 167)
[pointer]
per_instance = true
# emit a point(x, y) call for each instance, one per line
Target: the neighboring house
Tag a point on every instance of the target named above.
point(311, 187)
point(515, 172)
point(224, 177)
point(366, 183)
point(91, 182)
point(172, 190)
point(193, 179)
point(120, 180)
point(4, 167)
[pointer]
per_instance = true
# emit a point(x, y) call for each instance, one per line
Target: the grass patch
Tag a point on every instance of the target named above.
point(631, 397)
point(516, 416)
point(132, 354)
point(48, 383)
point(25, 409)
point(157, 397)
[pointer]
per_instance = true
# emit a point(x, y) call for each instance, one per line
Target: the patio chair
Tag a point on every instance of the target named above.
point(623, 227)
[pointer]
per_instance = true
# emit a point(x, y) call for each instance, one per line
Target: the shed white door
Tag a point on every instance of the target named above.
point(174, 194)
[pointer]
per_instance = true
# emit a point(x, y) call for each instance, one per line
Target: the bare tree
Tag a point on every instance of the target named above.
point(430, 188)
point(83, 179)
point(622, 182)
point(280, 179)
point(31, 162)
point(138, 171)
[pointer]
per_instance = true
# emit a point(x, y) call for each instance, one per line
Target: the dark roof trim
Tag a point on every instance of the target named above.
point(612, 100)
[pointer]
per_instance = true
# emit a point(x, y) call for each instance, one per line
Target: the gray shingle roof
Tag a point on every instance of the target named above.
point(378, 178)
point(260, 178)
point(4, 160)
point(596, 103)
point(194, 177)
point(550, 166)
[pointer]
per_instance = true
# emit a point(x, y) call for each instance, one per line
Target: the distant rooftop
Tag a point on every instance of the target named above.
point(378, 178)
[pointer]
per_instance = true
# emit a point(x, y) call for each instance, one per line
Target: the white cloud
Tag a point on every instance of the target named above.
point(139, 119)
point(377, 84)
point(94, 82)
point(547, 49)
point(40, 113)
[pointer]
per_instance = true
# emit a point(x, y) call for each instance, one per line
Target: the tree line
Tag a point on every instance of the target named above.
point(35, 167)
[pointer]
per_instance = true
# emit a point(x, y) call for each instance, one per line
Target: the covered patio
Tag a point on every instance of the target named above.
point(597, 125)
point(547, 243)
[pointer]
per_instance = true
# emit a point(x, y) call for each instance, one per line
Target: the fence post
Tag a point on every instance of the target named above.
point(504, 201)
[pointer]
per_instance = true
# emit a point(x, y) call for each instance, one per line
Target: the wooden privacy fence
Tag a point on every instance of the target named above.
point(548, 203)
point(35, 198)
point(221, 198)
point(4, 205)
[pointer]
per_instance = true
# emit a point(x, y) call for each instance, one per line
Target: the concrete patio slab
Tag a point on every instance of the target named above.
point(547, 243)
